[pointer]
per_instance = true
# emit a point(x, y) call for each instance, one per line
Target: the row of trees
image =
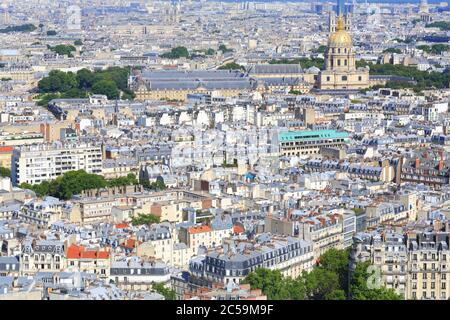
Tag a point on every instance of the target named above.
point(158, 185)
point(304, 62)
point(28, 27)
point(183, 52)
point(74, 182)
point(392, 50)
point(231, 66)
point(435, 48)
point(424, 79)
point(443, 25)
point(145, 219)
point(112, 82)
point(329, 280)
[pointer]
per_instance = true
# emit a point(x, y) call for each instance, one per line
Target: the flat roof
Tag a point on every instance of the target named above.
point(311, 135)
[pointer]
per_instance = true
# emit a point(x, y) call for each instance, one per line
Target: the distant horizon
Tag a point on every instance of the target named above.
point(359, 1)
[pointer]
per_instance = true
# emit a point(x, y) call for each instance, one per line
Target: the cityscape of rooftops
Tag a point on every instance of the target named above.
point(199, 150)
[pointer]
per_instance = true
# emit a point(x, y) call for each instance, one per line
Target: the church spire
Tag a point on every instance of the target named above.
point(340, 23)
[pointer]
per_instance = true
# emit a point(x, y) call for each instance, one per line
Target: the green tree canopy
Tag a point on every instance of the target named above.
point(145, 219)
point(112, 82)
point(176, 53)
point(231, 66)
point(63, 49)
point(443, 25)
point(5, 172)
point(28, 27)
point(166, 292)
point(392, 50)
point(360, 289)
point(107, 88)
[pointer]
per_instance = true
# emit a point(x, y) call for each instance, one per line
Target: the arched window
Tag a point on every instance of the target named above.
point(345, 62)
point(339, 50)
point(339, 62)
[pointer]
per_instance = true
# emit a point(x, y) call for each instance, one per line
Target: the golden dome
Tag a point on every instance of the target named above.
point(340, 37)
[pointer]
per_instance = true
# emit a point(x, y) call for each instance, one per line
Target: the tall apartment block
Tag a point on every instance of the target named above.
point(415, 264)
point(36, 163)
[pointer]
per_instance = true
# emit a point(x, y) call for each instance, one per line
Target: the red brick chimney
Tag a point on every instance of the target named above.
point(417, 163)
point(441, 160)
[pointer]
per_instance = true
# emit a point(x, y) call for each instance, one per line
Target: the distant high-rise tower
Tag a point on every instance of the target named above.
point(340, 11)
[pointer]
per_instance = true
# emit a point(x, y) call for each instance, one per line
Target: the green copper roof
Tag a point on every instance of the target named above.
point(312, 135)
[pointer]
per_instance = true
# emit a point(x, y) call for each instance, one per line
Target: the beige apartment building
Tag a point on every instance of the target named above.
point(415, 265)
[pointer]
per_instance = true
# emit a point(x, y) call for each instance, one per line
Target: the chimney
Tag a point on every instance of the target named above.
point(417, 163)
point(441, 165)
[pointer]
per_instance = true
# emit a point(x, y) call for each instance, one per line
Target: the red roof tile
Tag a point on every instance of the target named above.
point(199, 229)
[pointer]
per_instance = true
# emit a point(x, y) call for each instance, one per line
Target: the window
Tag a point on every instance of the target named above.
point(360, 79)
point(339, 62)
point(328, 78)
point(344, 78)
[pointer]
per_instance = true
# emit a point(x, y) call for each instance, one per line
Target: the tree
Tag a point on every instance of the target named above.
point(107, 88)
point(130, 179)
point(231, 66)
point(224, 48)
point(392, 50)
point(176, 53)
point(358, 211)
point(67, 185)
point(85, 79)
point(210, 52)
point(157, 185)
point(63, 49)
point(443, 25)
point(79, 85)
point(168, 294)
point(22, 28)
point(321, 284)
point(270, 282)
point(304, 62)
point(321, 49)
point(145, 219)
point(78, 42)
point(336, 261)
point(5, 172)
point(359, 286)
point(57, 81)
